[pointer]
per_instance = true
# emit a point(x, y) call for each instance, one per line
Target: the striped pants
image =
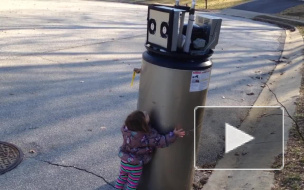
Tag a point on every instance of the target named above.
point(128, 174)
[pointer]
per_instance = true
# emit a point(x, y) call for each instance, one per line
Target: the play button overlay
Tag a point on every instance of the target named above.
point(235, 138)
point(238, 138)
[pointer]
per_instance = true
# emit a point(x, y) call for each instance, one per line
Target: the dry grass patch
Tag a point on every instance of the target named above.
point(292, 176)
point(211, 4)
point(297, 13)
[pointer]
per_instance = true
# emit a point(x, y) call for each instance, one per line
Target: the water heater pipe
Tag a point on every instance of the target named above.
point(189, 28)
point(180, 34)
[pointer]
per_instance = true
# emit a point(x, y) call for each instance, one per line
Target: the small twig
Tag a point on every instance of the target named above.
point(297, 126)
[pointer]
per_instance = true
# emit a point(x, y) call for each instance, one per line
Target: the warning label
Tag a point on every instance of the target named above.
point(200, 80)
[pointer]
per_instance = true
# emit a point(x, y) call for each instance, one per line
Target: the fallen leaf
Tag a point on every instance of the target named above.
point(32, 151)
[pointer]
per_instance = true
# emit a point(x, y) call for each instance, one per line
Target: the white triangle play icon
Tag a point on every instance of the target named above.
point(235, 138)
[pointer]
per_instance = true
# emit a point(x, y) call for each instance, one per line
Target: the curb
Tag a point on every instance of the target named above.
point(285, 23)
point(288, 24)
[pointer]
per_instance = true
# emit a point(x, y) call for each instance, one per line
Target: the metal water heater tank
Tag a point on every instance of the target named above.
point(170, 88)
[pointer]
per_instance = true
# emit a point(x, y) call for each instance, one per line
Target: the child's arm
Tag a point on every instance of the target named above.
point(161, 141)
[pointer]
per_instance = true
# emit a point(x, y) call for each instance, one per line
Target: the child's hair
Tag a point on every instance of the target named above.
point(136, 121)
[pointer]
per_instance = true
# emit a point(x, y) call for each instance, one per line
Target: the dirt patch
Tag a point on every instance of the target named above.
point(201, 178)
point(292, 176)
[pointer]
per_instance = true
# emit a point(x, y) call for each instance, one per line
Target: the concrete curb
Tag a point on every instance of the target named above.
point(288, 24)
point(281, 19)
point(279, 23)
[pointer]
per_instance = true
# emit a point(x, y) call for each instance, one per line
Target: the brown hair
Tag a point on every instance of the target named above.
point(136, 121)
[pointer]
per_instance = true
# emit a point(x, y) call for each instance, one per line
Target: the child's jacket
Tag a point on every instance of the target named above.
point(137, 147)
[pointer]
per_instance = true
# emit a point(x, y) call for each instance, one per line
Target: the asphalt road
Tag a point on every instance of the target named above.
point(268, 6)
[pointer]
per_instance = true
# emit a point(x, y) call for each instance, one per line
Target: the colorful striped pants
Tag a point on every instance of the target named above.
point(129, 174)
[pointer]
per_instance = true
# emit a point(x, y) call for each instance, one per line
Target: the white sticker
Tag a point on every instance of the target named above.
point(200, 80)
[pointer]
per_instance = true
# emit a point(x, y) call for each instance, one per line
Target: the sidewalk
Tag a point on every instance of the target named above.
point(65, 73)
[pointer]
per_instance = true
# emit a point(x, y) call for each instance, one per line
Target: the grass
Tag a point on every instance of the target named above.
point(301, 29)
point(200, 4)
point(295, 13)
point(292, 176)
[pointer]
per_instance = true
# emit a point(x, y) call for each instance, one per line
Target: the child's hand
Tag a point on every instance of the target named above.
point(179, 132)
point(137, 70)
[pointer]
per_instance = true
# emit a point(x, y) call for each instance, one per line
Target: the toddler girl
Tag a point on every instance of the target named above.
point(139, 142)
